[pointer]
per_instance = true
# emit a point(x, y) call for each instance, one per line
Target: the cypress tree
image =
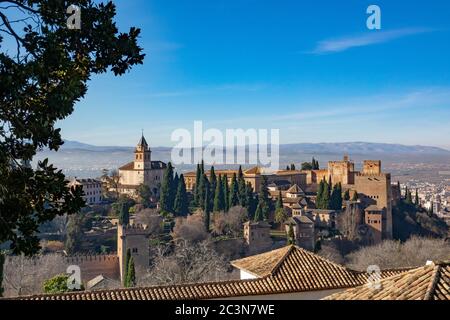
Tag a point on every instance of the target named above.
point(2, 263)
point(251, 202)
point(320, 194)
point(279, 204)
point(219, 202)
point(288, 168)
point(207, 210)
point(130, 280)
point(234, 192)
point(409, 198)
point(175, 182)
point(242, 188)
point(417, 202)
point(347, 195)
point(181, 207)
point(204, 186)
point(339, 197)
point(325, 203)
point(212, 182)
point(198, 176)
point(406, 192)
point(125, 266)
point(264, 201)
point(292, 167)
point(226, 193)
point(202, 167)
point(355, 196)
point(259, 216)
point(336, 198)
point(291, 234)
point(167, 193)
point(124, 214)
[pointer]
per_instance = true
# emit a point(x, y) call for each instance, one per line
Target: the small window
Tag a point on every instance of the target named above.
point(135, 250)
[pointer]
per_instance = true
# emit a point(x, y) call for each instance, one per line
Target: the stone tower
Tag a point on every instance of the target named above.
point(142, 155)
point(135, 238)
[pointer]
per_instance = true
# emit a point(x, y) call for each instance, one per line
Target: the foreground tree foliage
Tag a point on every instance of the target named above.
point(42, 77)
point(188, 262)
point(389, 254)
point(415, 252)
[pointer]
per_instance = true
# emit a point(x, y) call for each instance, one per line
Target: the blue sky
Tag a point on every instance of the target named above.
point(310, 68)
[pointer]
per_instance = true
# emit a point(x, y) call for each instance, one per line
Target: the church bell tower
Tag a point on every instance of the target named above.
point(142, 155)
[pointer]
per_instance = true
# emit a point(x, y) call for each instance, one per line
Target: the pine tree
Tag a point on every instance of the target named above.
point(242, 194)
point(181, 206)
point(219, 202)
point(234, 192)
point(288, 168)
point(291, 235)
point(167, 193)
point(130, 280)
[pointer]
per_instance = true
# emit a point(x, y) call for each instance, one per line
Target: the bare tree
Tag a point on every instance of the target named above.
point(394, 254)
point(152, 219)
point(229, 223)
point(26, 275)
point(188, 263)
point(190, 228)
point(350, 222)
point(332, 253)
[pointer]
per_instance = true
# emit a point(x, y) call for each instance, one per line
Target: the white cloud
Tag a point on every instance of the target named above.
point(373, 37)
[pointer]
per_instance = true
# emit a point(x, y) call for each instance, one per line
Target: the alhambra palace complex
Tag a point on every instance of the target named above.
point(269, 270)
point(297, 187)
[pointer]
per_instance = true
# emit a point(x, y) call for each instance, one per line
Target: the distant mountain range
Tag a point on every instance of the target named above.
point(85, 160)
point(353, 148)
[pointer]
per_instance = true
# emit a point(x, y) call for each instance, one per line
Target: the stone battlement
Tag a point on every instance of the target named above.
point(373, 175)
point(93, 257)
point(137, 229)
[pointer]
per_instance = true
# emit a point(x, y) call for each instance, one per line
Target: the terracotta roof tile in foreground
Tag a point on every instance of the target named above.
point(286, 270)
point(431, 282)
